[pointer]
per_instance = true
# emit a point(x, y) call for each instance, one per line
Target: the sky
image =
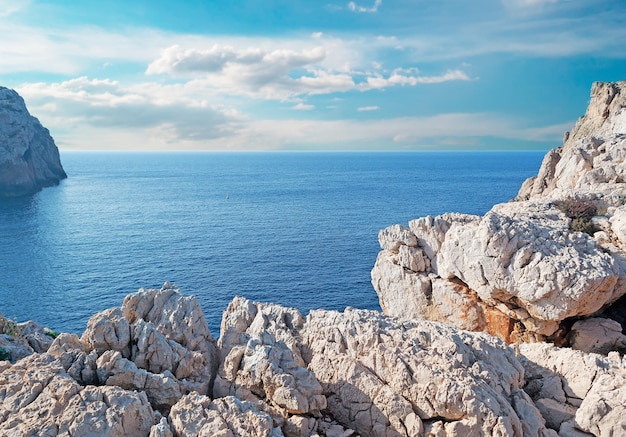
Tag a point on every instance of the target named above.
point(309, 74)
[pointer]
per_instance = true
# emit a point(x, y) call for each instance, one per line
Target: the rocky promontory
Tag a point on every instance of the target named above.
point(476, 311)
point(530, 269)
point(29, 159)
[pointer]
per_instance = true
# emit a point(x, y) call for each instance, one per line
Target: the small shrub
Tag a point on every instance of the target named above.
point(582, 225)
point(9, 327)
point(4, 355)
point(580, 211)
point(577, 208)
point(53, 334)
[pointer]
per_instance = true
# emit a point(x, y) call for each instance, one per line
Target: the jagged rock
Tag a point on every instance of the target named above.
point(590, 161)
point(38, 398)
point(196, 414)
point(14, 348)
point(29, 159)
point(163, 345)
point(38, 337)
point(261, 358)
point(597, 335)
point(519, 271)
point(77, 359)
point(577, 392)
point(161, 429)
point(517, 264)
point(163, 389)
point(384, 377)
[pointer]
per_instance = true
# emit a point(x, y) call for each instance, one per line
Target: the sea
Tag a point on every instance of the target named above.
point(294, 228)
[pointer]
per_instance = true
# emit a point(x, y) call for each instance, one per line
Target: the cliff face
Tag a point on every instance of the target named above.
point(524, 271)
point(29, 159)
point(590, 162)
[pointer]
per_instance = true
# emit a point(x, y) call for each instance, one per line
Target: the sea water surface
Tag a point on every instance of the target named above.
point(299, 229)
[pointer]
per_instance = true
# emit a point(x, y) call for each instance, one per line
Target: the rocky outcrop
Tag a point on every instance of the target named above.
point(283, 374)
point(524, 270)
point(579, 394)
point(591, 159)
point(29, 159)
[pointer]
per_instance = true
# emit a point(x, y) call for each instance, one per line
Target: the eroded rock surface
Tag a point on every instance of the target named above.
point(39, 398)
point(577, 393)
point(523, 268)
point(29, 159)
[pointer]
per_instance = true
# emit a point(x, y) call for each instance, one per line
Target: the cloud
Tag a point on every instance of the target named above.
point(409, 77)
point(278, 74)
point(528, 3)
point(251, 62)
point(303, 107)
point(150, 109)
point(368, 108)
point(356, 8)
point(10, 7)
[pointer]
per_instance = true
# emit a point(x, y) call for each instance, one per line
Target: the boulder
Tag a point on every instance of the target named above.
point(525, 267)
point(197, 414)
point(578, 393)
point(39, 398)
point(261, 359)
point(517, 272)
point(29, 159)
point(158, 342)
point(598, 335)
point(386, 377)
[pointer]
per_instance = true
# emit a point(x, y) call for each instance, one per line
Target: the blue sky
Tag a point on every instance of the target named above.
point(309, 74)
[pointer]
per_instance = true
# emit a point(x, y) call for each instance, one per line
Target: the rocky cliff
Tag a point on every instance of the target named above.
point(29, 159)
point(528, 269)
point(152, 368)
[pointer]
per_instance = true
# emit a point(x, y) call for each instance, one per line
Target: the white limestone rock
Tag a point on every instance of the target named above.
point(385, 377)
point(581, 393)
point(38, 398)
point(518, 261)
point(598, 335)
point(261, 358)
point(29, 159)
point(198, 415)
point(163, 345)
point(591, 160)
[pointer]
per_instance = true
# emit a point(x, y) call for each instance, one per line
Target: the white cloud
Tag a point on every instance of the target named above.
point(411, 78)
point(279, 74)
point(356, 8)
point(317, 35)
point(528, 3)
point(171, 114)
point(303, 107)
point(10, 7)
point(251, 62)
point(368, 108)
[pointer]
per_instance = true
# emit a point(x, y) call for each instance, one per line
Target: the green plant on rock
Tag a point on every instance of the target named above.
point(580, 211)
point(582, 225)
point(52, 333)
point(9, 327)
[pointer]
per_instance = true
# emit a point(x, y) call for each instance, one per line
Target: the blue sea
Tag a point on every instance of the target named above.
point(299, 229)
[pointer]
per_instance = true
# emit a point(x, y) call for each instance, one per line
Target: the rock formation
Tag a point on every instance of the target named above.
point(524, 271)
point(152, 368)
point(29, 159)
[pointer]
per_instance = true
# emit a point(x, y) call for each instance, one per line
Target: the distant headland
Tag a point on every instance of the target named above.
point(29, 159)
